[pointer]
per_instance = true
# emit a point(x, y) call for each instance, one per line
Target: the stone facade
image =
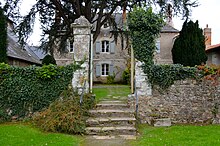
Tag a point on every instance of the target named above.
point(165, 44)
point(116, 56)
point(187, 101)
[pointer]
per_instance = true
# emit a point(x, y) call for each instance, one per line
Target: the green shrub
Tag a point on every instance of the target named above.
point(165, 75)
point(111, 79)
point(65, 115)
point(30, 89)
point(48, 59)
point(126, 76)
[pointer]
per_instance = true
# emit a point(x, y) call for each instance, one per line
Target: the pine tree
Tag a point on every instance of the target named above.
point(189, 47)
point(3, 37)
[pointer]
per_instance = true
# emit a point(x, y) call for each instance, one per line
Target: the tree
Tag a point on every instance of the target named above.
point(189, 47)
point(3, 37)
point(48, 59)
point(56, 15)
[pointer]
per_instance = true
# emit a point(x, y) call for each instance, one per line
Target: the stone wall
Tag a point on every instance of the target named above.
point(187, 101)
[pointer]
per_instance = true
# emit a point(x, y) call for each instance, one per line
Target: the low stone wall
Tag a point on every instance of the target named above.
point(187, 101)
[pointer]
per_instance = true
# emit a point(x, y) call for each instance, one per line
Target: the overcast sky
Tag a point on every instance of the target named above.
point(207, 13)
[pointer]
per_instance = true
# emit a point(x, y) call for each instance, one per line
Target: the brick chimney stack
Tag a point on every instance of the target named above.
point(208, 35)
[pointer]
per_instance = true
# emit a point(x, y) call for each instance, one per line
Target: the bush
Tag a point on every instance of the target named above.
point(111, 79)
point(30, 89)
point(165, 75)
point(65, 115)
point(126, 76)
point(48, 59)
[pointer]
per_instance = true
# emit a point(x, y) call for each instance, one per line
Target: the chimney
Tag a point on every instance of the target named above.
point(170, 15)
point(208, 36)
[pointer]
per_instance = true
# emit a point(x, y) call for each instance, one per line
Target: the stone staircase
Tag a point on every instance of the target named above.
point(111, 119)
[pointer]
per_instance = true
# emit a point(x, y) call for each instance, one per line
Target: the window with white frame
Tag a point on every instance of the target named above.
point(105, 46)
point(105, 69)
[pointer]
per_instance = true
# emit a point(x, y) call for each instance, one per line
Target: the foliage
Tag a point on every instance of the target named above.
point(189, 47)
point(48, 59)
point(97, 12)
point(165, 75)
point(111, 79)
point(24, 134)
point(30, 89)
point(211, 73)
point(3, 37)
point(188, 135)
point(126, 76)
point(144, 26)
point(65, 115)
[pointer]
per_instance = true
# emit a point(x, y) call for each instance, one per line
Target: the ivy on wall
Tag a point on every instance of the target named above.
point(26, 90)
point(144, 27)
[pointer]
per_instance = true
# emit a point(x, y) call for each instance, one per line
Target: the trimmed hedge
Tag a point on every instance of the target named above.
point(30, 89)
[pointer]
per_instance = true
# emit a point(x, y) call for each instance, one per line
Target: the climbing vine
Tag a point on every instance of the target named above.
point(29, 89)
point(144, 27)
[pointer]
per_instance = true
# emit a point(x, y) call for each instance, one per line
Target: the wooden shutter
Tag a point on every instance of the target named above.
point(98, 47)
point(111, 70)
point(98, 70)
point(112, 47)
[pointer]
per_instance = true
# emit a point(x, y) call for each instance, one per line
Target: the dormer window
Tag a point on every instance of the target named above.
point(105, 46)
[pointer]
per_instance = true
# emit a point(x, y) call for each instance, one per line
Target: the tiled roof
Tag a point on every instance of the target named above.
point(212, 47)
point(14, 50)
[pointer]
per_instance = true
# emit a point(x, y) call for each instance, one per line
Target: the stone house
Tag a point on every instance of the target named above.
point(109, 56)
point(111, 59)
point(212, 51)
point(17, 55)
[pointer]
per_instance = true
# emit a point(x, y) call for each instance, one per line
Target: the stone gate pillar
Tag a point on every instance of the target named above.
point(82, 48)
point(142, 86)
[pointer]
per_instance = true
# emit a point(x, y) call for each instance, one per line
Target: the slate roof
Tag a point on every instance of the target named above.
point(14, 50)
point(166, 28)
point(169, 29)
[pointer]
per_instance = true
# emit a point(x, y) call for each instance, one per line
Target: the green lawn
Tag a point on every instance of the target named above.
point(111, 91)
point(18, 134)
point(179, 136)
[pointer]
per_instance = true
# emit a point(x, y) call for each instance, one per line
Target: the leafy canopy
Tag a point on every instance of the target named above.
point(56, 15)
point(3, 37)
point(189, 47)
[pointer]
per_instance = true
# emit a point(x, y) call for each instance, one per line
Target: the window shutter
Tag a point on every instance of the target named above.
point(158, 46)
point(112, 47)
point(111, 70)
point(98, 70)
point(98, 47)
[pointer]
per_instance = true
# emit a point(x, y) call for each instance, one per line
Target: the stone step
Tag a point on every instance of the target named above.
point(111, 113)
point(114, 137)
point(111, 121)
point(112, 102)
point(108, 131)
point(111, 105)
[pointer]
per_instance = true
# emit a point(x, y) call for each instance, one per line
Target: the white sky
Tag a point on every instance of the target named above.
point(206, 13)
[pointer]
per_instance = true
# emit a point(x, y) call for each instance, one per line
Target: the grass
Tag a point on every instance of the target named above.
point(20, 134)
point(179, 136)
point(111, 91)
